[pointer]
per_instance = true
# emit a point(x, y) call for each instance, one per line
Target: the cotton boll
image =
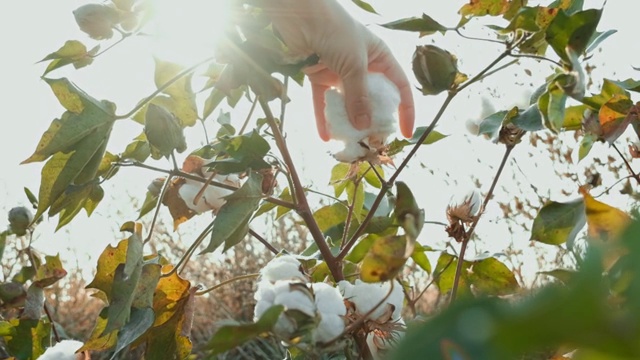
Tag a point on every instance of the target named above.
point(212, 198)
point(328, 299)
point(295, 299)
point(64, 350)
point(284, 267)
point(188, 192)
point(384, 98)
point(366, 296)
point(329, 328)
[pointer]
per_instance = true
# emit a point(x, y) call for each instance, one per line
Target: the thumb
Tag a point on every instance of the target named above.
point(356, 96)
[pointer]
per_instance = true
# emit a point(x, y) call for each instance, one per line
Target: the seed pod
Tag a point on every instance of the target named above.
point(19, 219)
point(97, 20)
point(163, 131)
point(464, 208)
point(434, 68)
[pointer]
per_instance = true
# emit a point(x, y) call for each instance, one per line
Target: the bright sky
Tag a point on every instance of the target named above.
point(32, 29)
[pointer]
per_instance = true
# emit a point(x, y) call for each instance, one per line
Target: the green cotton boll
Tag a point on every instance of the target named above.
point(163, 130)
point(435, 69)
point(97, 20)
point(19, 219)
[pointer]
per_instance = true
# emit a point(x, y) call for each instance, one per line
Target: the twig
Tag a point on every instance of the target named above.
point(124, 36)
point(536, 57)
point(163, 87)
point(53, 324)
point(190, 250)
point(302, 208)
point(263, 241)
point(226, 282)
point(606, 191)
point(246, 121)
point(165, 186)
point(635, 176)
point(380, 177)
point(347, 222)
point(469, 233)
point(412, 302)
point(477, 38)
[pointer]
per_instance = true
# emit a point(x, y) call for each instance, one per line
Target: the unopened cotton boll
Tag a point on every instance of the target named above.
point(365, 296)
point(385, 99)
point(64, 350)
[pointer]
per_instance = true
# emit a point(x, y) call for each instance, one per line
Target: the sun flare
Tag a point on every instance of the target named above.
point(187, 31)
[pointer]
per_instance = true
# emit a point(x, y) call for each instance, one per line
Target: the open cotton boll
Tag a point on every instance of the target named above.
point(64, 350)
point(284, 267)
point(329, 328)
point(366, 296)
point(384, 98)
point(212, 198)
point(328, 299)
point(295, 298)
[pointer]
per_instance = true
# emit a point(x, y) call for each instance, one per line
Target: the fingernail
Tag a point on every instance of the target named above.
point(362, 121)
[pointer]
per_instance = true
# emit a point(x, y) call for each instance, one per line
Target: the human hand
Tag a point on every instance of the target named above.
point(347, 52)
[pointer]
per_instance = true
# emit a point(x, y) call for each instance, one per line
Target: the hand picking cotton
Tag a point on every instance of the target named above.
point(367, 143)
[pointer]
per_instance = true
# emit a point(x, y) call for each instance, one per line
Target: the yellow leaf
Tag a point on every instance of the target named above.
point(385, 259)
point(605, 222)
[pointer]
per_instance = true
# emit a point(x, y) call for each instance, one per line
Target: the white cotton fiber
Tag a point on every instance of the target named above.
point(64, 350)
point(384, 98)
point(212, 198)
point(365, 296)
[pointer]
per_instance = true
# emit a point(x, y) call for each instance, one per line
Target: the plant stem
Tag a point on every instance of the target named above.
point(185, 175)
point(246, 121)
point(124, 36)
point(633, 173)
point(226, 282)
point(469, 233)
point(263, 241)
point(165, 186)
point(190, 250)
point(162, 88)
point(302, 208)
point(536, 57)
point(477, 38)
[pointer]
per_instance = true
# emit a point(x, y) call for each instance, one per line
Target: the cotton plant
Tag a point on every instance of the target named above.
point(380, 304)
point(313, 309)
point(365, 144)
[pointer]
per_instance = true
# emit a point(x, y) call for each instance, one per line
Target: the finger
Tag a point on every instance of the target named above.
point(317, 91)
point(389, 66)
point(356, 98)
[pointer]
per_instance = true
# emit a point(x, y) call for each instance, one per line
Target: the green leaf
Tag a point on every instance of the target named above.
point(211, 103)
point(85, 116)
point(182, 100)
point(530, 119)
point(557, 223)
point(232, 222)
point(597, 38)
point(134, 251)
point(586, 143)
point(563, 275)
point(149, 278)
point(629, 84)
point(365, 6)
point(492, 277)
point(30, 339)
point(609, 89)
point(169, 337)
point(231, 336)
point(420, 258)
point(141, 320)
point(241, 153)
point(552, 107)
point(330, 216)
point(444, 275)
point(425, 25)
point(361, 249)
point(72, 52)
point(398, 144)
point(572, 31)
point(492, 124)
point(281, 210)
point(615, 116)
point(150, 203)
point(138, 150)
point(122, 296)
point(573, 116)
